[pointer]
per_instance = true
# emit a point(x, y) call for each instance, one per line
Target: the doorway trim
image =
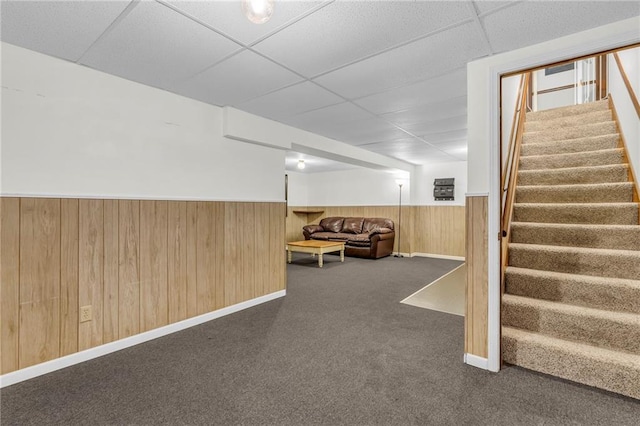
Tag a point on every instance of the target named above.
point(586, 43)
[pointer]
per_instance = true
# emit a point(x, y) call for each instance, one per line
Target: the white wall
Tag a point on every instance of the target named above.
point(483, 128)
point(554, 99)
point(68, 130)
point(481, 83)
point(358, 187)
point(424, 176)
point(509, 93)
point(629, 122)
point(298, 189)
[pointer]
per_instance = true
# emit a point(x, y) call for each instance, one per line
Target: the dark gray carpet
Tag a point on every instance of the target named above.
point(338, 349)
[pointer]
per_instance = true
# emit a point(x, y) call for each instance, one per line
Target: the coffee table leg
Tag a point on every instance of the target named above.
point(288, 256)
point(320, 261)
point(342, 255)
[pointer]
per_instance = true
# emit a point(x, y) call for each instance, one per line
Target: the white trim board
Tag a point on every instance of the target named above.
point(476, 361)
point(86, 355)
point(132, 197)
point(607, 37)
point(438, 256)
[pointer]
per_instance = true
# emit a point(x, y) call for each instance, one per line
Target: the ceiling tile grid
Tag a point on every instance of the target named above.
point(387, 76)
point(155, 45)
point(235, 80)
point(425, 58)
point(348, 31)
point(62, 29)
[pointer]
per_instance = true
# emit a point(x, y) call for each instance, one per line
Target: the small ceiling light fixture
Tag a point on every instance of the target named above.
point(301, 164)
point(258, 11)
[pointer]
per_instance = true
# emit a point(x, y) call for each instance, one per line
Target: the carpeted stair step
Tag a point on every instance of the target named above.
point(576, 260)
point(615, 371)
point(594, 213)
point(618, 192)
point(616, 237)
point(584, 131)
point(550, 114)
point(592, 143)
point(612, 294)
point(607, 329)
point(576, 159)
point(575, 175)
point(568, 121)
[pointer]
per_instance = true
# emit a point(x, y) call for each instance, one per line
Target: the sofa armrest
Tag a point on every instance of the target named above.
point(382, 231)
point(310, 229)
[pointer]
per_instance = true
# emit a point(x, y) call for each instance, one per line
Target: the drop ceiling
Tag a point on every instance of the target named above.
point(386, 76)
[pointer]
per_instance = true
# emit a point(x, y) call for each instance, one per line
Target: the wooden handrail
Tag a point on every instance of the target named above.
point(627, 83)
point(509, 179)
point(512, 134)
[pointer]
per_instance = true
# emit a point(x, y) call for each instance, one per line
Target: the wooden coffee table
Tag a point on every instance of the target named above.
point(315, 247)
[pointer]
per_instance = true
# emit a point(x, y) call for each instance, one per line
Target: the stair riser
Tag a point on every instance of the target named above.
point(567, 111)
point(587, 159)
point(575, 290)
point(586, 131)
point(615, 239)
point(570, 121)
point(602, 264)
point(603, 332)
point(607, 215)
point(589, 194)
point(565, 147)
point(574, 176)
point(622, 379)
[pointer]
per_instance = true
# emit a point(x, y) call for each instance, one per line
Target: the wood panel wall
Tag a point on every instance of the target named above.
point(476, 316)
point(424, 229)
point(139, 265)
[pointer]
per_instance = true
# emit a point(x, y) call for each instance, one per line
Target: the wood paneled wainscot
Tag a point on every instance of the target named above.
point(476, 316)
point(138, 265)
point(428, 230)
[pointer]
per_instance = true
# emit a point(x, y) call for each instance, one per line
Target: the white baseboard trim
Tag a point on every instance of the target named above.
point(476, 361)
point(69, 360)
point(438, 256)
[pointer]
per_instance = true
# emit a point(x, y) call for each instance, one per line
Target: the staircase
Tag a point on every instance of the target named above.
point(571, 306)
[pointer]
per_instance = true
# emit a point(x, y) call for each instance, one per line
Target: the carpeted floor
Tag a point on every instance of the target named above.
point(339, 349)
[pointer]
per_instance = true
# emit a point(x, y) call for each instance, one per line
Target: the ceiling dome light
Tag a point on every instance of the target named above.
point(301, 164)
point(258, 11)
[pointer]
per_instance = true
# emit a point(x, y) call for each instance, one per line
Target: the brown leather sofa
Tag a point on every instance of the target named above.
point(363, 237)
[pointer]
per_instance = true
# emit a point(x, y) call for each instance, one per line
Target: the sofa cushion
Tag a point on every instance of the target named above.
point(321, 235)
point(332, 224)
point(359, 243)
point(375, 222)
point(339, 236)
point(352, 225)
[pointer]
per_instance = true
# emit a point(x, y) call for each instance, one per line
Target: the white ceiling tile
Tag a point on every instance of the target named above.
point(158, 46)
point(364, 132)
point(62, 28)
point(324, 118)
point(528, 23)
point(484, 6)
point(240, 78)
point(344, 31)
point(430, 112)
point(290, 101)
point(227, 16)
point(435, 90)
point(430, 127)
point(425, 58)
point(445, 137)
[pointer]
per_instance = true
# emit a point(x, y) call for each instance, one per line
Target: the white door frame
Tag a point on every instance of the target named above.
point(600, 39)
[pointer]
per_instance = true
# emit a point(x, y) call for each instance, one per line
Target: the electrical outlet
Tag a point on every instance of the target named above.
point(85, 313)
